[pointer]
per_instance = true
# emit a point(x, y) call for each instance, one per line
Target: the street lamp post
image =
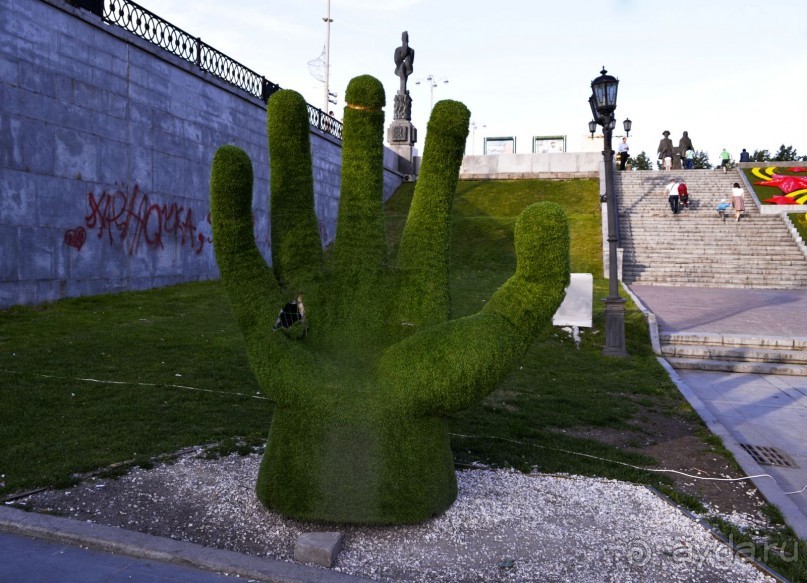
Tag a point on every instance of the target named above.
point(603, 103)
point(328, 20)
point(474, 125)
point(432, 84)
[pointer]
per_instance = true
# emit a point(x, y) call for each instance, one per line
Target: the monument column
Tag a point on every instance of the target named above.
point(401, 134)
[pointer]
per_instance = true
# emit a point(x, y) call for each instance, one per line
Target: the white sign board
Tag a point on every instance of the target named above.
point(577, 305)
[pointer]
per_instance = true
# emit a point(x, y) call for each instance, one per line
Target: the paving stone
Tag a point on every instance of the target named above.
point(319, 548)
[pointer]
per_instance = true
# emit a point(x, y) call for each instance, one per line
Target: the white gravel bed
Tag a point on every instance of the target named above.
point(505, 526)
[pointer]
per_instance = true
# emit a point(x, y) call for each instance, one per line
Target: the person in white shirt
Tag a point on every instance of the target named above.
point(623, 153)
point(737, 201)
point(672, 196)
point(689, 159)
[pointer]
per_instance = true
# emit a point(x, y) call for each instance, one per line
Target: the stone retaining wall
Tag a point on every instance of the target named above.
point(106, 143)
point(556, 166)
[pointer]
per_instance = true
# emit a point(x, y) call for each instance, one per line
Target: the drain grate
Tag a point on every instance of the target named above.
point(769, 456)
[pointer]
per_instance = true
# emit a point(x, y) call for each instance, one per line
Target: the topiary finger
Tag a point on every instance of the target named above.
point(360, 246)
point(425, 242)
point(296, 243)
point(248, 280)
point(536, 290)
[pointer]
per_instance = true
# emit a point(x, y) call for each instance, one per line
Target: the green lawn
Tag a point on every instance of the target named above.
point(144, 347)
point(800, 221)
point(558, 386)
point(90, 382)
point(172, 373)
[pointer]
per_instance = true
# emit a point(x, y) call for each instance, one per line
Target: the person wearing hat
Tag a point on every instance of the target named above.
point(665, 150)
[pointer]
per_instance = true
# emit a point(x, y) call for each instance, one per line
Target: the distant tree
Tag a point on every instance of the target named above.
point(760, 156)
point(701, 161)
point(787, 154)
point(642, 162)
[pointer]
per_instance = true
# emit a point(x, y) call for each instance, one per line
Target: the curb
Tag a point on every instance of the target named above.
point(722, 538)
point(767, 486)
point(652, 321)
point(146, 546)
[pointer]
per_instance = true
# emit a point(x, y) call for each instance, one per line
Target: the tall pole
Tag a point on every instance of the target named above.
point(432, 80)
point(474, 125)
point(614, 305)
point(328, 20)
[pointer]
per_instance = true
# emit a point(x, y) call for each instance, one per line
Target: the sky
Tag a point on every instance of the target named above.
point(731, 74)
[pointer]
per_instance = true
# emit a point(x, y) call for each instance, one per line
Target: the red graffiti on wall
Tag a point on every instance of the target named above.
point(133, 219)
point(75, 238)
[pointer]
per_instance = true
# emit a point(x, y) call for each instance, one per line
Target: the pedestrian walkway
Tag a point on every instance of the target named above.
point(42, 548)
point(61, 562)
point(762, 418)
point(755, 312)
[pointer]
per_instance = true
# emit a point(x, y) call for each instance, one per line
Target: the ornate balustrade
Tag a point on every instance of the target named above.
point(148, 26)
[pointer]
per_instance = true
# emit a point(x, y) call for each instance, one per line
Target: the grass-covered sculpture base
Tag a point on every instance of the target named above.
point(366, 373)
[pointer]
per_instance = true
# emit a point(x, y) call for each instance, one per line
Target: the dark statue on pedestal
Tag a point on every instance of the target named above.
point(401, 134)
point(404, 58)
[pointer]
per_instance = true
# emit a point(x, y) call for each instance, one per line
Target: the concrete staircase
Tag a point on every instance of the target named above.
point(733, 353)
point(698, 248)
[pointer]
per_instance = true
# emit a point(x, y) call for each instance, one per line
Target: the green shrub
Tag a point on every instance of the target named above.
point(359, 434)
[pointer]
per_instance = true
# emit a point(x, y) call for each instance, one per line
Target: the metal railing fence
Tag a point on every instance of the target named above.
point(154, 29)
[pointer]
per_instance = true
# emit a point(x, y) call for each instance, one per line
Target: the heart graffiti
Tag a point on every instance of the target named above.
point(75, 238)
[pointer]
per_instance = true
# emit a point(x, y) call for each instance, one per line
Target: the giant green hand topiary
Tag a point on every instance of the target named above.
point(358, 433)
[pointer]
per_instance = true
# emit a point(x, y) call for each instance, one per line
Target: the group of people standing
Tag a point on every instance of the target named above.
point(725, 158)
point(676, 191)
point(686, 150)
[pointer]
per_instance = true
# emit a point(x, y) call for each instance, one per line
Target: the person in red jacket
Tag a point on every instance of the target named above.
point(683, 195)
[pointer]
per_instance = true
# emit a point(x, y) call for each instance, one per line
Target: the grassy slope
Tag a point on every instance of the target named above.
point(53, 425)
point(800, 221)
point(558, 387)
